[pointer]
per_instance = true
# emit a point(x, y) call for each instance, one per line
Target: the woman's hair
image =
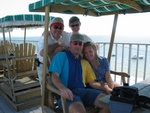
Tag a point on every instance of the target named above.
point(93, 45)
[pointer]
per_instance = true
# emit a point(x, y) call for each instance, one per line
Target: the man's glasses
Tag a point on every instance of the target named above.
point(60, 28)
point(75, 25)
point(77, 43)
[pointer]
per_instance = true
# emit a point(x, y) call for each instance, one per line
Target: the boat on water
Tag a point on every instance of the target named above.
point(137, 57)
point(113, 55)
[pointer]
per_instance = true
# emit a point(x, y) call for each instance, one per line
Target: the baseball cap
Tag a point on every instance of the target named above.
point(57, 21)
point(77, 37)
point(74, 19)
point(120, 107)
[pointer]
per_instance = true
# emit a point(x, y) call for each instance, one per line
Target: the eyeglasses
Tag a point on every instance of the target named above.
point(56, 27)
point(75, 25)
point(77, 43)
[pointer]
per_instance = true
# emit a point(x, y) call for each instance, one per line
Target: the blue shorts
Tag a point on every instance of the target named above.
point(86, 96)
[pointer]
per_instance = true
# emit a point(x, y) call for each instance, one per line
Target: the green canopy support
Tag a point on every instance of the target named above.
point(131, 3)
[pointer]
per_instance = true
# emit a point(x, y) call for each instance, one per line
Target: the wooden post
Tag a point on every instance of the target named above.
point(9, 35)
point(24, 35)
point(112, 37)
point(44, 99)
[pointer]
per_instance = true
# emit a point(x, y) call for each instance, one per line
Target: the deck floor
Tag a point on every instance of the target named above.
point(6, 108)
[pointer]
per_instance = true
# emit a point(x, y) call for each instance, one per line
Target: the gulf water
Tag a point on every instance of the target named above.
point(98, 38)
point(132, 40)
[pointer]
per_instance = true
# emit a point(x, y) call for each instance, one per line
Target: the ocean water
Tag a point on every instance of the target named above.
point(98, 38)
point(132, 64)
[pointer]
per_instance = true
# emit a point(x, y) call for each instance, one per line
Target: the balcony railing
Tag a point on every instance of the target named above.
point(131, 58)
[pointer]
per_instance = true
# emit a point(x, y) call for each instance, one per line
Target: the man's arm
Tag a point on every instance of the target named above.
point(65, 92)
point(52, 48)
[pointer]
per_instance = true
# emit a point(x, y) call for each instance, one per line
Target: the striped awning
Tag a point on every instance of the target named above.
point(92, 7)
point(21, 21)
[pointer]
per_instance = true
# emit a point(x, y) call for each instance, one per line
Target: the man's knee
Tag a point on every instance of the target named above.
point(77, 107)
point(103, 107)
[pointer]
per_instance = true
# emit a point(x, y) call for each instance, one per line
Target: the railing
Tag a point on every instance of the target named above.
point(131, 58)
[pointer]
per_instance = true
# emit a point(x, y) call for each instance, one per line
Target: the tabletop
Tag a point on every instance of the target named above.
point(144, 89)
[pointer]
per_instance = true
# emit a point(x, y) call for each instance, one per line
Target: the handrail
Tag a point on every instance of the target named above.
point(121, 58)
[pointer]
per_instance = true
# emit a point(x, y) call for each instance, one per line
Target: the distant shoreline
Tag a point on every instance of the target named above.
point(96, 38)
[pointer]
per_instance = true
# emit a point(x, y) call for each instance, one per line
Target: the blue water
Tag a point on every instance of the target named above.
point(133, 63)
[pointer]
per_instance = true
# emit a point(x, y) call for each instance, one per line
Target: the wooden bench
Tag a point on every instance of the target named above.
point(144, 89)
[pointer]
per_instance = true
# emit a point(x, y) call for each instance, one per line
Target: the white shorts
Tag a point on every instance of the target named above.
point(40, 73)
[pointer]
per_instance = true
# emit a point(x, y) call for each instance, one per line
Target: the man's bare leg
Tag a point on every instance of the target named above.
point(103, 108)
point(77, 107)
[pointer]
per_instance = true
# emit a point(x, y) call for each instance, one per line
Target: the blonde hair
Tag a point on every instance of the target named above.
point(93, 45)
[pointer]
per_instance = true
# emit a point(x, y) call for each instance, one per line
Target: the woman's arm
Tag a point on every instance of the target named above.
point(109, 80)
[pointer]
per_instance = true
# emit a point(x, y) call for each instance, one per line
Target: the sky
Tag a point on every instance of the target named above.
point(128, 25)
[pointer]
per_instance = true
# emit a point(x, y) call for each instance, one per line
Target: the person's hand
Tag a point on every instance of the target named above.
point(108, 90)
point(59, 44)
point(66, 93)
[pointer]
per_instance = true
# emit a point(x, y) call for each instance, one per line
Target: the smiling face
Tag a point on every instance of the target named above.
point(89, 52)
point(75, 26)
point(76, 47)
point(56, 30)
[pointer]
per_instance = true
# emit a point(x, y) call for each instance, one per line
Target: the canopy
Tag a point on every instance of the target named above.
point(22, 21)
point(92, 7)
point(85, 7)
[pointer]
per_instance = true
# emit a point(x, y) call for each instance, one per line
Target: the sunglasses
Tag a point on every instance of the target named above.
point(60, 28)
point(77, 43)
point(75, 25)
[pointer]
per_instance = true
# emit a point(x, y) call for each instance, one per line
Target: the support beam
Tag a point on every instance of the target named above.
point(75, 9)
point(112, 37)
point(44, 98)
point(130, 3)
point(25, 35)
